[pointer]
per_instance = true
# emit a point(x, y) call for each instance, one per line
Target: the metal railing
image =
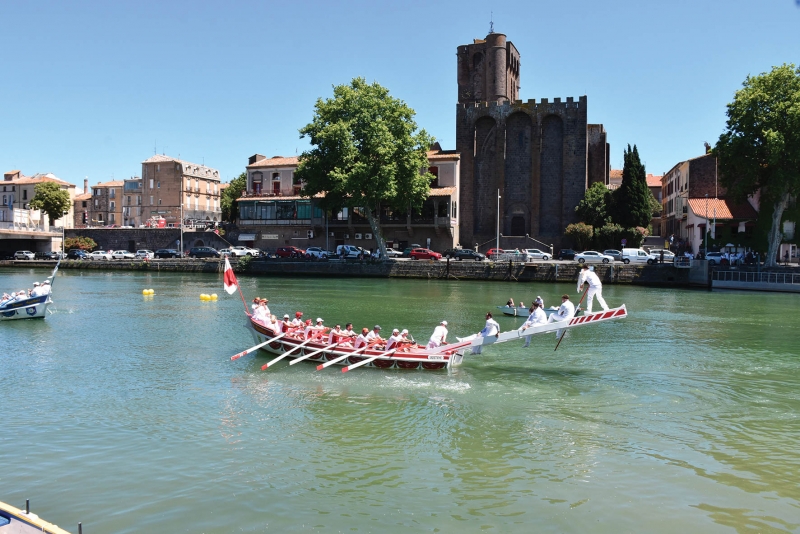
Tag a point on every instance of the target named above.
point(759, 278)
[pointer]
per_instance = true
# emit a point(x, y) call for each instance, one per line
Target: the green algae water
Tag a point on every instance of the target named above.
point(125, 413)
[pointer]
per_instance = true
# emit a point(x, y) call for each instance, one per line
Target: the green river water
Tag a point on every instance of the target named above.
point(126, 413)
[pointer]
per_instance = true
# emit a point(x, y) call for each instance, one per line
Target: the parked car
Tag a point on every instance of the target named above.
point(100, 255)
point(348, 251)
point(145, 254)
point(393, 253)
point(316, 252)
point(616, 254)
point(24, 255)
point(636, 255)
point(494, 253)
point(463, 254)
point(566, 254)
point(536, 254)
point(290, 252)
point(715, 258)
point(47, 255)
point(241, 250)
point(77, 254)
point(123, 255)
point(168, 253)
point(226, 253)
point(425, 254)
point(592, 256)
point(203, 252)
point(669, 256)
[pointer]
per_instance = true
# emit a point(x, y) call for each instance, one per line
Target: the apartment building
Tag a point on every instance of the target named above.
point(173, 188)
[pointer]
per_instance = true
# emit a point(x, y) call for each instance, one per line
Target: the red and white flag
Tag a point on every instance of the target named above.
point(229, 279)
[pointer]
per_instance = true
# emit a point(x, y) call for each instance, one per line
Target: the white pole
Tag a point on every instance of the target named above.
point(707, 228)
point(181, 250)
point(497, 251)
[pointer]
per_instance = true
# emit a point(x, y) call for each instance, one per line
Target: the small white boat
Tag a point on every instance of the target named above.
point(518, 311)
point(16, 521)
point(33, 307)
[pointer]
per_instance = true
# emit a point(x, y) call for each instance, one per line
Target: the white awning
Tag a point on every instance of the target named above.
point(247, 237)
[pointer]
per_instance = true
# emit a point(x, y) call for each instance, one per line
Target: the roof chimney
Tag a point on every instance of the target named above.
point(85, 185)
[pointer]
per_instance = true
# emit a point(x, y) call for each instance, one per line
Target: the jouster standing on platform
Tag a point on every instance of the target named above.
point(595, 288)
point(439, 336)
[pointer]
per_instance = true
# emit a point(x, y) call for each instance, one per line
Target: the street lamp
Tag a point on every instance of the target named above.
point(705, 254)
point(497, 251)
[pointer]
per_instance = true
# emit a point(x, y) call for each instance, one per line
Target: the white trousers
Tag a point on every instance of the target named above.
point(591, 294)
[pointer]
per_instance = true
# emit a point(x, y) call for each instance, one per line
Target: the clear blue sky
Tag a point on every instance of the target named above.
point(91, 88)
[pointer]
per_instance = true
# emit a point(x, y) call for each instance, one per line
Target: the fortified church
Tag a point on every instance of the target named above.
point(541, 156)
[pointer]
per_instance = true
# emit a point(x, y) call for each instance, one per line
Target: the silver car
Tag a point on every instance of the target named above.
point(24, 255)
point(123, 255)
point(536, 254)
point(592, 256)
point(99, 255)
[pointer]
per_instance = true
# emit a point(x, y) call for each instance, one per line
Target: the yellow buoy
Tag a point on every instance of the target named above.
point(145, 292)
point(213, 296)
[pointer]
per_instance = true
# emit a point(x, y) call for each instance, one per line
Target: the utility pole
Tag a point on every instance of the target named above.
point(497, 250)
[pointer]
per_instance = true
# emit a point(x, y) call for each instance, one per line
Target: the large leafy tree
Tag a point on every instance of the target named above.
point(51, 199)
point(760, 149)
point(632, 204)
point(596, 205)
point(366, 152)
point(227, 201)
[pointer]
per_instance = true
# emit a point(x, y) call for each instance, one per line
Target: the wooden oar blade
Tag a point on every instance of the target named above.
point(368, 360)
point(251, 349)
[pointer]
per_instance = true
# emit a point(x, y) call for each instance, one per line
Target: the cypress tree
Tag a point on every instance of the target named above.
point(632, 199)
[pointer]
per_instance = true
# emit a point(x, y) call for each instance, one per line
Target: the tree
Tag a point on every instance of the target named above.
point(227, 201)
point(81, 242)
point(594, 208)
point(366, 153)
point(760, 149)
point(51, 199)
point(632, 198)
point(581, 234)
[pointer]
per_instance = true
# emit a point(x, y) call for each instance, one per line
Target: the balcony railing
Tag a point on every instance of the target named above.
point(274, 222)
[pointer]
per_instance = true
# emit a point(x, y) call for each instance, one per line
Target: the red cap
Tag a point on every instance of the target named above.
point(298, 314)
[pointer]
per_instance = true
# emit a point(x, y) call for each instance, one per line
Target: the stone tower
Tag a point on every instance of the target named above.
point(488, 70)
point(535, 153)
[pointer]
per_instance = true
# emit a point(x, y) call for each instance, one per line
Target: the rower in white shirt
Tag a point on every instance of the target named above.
point(491, 328)
point(394, 339)
point(536, 317)
point(439, 336)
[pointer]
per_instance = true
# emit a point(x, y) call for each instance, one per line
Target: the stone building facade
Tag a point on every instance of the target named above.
point(17, 192)
point(538, 156)
point(172, 187)
point(273, 214)
point(105, 206)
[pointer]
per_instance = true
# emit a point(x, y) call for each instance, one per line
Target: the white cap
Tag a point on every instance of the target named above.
point(46, 282)
point(395, 331)
point(538, 297)
point(444, 323)
point(404, 331)
point(36, 283)
point(286, 316)
point(319, 320)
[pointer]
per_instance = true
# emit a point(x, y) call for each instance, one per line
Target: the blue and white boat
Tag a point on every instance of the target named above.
point(29, 307)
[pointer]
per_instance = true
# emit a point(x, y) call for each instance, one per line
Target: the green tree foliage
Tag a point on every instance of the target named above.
point(581, 234)
point(610, 236)
point(51, 199)
point(227, 201)
point(83, 243)
point(366, 153)
point(760, 149)
point(595, 206)
point(632, 199)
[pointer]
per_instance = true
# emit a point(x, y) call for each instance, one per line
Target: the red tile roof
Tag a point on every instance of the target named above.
point(442, 191)
point(276, 161)
point(653, 181)
point(615, 173)
point(721, 209)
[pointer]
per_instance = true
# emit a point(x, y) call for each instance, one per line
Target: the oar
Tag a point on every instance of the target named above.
point(368, 360)
point(285, 354)
point(565, 331)
point(310, 354)
point(340, 358)
point(251, 349)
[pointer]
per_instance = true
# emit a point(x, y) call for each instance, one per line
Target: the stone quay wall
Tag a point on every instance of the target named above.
point(650, 275)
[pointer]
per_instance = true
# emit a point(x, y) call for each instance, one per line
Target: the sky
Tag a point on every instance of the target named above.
point(92, 89)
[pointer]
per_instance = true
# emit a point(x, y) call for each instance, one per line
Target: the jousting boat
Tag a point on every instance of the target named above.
point(296, 348)
point(518, 311)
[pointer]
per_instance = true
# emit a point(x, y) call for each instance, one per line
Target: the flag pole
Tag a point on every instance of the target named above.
point(229, 281)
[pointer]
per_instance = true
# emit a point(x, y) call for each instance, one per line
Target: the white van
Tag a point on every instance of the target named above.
point(348, 251)
point(636, 255)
